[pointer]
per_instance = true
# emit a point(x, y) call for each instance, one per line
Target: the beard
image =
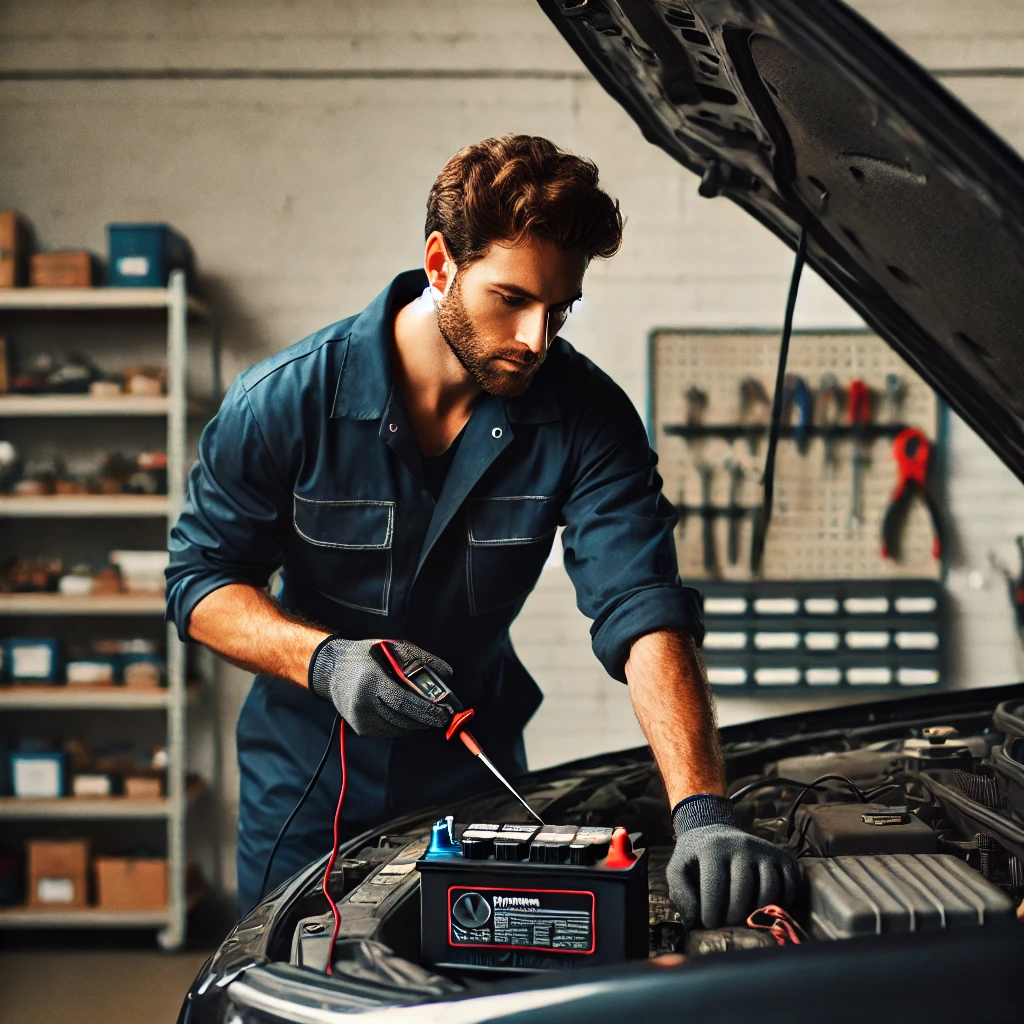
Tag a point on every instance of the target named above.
point(477, 360)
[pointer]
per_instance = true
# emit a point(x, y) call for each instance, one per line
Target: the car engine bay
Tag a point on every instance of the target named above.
point(900, 824)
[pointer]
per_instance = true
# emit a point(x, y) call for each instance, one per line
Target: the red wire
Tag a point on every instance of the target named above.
point(334, 850)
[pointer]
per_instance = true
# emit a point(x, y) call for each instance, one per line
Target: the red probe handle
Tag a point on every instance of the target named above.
point(471, 744)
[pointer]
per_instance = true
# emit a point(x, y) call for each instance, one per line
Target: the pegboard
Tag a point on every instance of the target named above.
point(811, 535)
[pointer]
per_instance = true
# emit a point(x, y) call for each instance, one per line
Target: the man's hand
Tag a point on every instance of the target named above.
point(366, 693)
point(719, 874)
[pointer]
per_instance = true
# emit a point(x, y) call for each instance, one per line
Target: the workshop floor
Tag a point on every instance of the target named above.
point(104, 986)
point(103, 977)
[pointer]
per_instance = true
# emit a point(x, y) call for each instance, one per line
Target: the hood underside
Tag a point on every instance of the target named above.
point(804, 115)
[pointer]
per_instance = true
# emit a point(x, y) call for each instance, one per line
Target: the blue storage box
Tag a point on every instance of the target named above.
point(143, 255)
point(38, 774)
point(32, 660)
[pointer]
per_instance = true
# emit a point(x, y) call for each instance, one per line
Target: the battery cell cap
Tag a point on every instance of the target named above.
point(512, 848)
point(584, 854)
point(477, 848)
point(549, 853)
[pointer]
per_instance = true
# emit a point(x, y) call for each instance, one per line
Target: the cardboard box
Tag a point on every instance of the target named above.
point(60, 270)
point(13, 249)
point(131, 883)
point(143, 788)
point(58, 873)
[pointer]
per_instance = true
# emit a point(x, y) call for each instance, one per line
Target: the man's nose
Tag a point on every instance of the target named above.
point(533, 331)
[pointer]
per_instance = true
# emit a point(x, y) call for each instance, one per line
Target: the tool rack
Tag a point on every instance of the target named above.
point(810, 536)
point(81, 305)
point(812, 543)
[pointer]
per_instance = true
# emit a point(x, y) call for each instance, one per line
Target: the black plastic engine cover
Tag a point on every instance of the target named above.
point(853, 896)
point(831, 830)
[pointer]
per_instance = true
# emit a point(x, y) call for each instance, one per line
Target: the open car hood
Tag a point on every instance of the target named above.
point(804, 115)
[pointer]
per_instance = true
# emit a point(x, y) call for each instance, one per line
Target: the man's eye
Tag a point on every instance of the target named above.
point(512, 300)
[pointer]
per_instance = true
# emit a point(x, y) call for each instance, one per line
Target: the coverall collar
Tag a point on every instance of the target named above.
point(365, 378)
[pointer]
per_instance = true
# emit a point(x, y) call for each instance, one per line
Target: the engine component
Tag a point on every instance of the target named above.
point(722, 940)
point(556, 898)
point(854, 896)
point(857, 765)
point(938, 748)
point(832, 830)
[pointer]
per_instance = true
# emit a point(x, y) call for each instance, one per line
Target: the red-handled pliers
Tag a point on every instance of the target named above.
point(912, 452)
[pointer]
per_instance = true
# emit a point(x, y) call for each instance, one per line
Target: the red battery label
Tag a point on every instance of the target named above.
point(549, 920)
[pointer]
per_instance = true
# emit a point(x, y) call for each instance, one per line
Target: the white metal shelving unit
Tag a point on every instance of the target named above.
point(178, 306)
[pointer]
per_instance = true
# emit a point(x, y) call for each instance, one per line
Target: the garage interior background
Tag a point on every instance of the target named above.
point(294, 144)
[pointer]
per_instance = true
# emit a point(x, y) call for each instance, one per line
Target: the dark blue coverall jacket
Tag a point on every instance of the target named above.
point(311, 466)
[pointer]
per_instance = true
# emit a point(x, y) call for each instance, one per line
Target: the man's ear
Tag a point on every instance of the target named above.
point(439, 266)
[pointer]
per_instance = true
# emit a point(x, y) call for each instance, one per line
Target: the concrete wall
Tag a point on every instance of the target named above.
point(294, 143)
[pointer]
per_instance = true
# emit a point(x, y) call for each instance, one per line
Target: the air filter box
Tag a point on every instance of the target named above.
point(508, 898)
point(896, 893)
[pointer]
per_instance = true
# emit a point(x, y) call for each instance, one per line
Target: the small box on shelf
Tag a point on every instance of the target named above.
point(31, 660)
point(15, 239)
point(139, 787)
point(62, 269)
point(92, 784)
point(131, 883)
point(58, 873)
point(143, 255)
point(38, 774)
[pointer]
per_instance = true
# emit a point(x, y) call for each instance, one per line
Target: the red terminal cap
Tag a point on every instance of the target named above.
point(621, 854)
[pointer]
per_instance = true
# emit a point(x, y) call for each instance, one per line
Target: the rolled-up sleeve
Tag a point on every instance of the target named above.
point(236, 513)
point(618, 539)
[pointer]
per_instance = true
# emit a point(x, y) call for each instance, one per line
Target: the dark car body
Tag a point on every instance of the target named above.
point(802, 114)
point(271, 967)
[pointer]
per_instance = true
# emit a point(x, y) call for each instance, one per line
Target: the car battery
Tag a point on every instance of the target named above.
point(515, 897)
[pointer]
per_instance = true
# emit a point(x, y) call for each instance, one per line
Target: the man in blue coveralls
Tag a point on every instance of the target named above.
point(406, 470)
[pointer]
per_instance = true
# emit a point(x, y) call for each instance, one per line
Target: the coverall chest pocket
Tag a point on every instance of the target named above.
point(347, 550)
point(509, 541)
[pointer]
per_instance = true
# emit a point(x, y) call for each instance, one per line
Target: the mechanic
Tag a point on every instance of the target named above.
point(406, 470)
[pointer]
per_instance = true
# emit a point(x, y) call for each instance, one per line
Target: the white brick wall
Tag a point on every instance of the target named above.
point(303, 197)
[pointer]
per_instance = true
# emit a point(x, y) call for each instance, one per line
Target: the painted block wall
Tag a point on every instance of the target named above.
point(294, 143)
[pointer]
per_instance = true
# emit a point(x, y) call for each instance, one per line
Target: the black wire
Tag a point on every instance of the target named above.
point(302, 799)
point(791, 819)
point(764, 514)
point(769, 781)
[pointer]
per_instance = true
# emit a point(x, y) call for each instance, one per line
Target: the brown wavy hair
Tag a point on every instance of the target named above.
point(518, 186)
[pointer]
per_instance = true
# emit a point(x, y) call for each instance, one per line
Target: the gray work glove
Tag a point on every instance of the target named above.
point(719, 874)
point(358, 680)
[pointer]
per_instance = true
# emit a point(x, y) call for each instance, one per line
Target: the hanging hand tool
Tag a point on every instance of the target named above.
point(829, 403)
point(752, 397)
point(430, 686)
point(735, 471)
point(860, 414)
point(912, 452)
point(708, 516)
point(894, 396)
point(696, 405)
point(797, 394)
